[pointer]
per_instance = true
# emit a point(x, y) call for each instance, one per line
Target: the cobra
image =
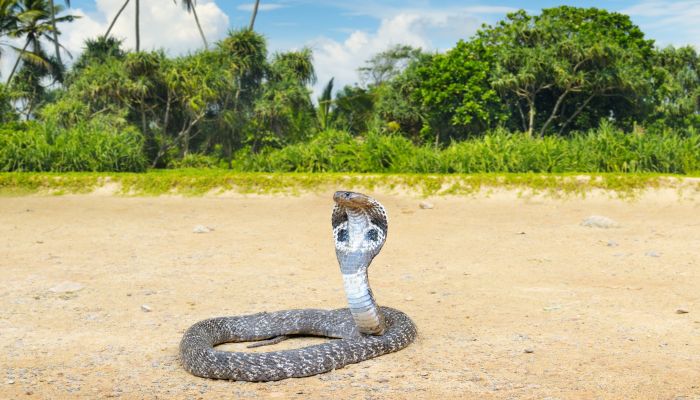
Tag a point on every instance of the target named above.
point(360, 332)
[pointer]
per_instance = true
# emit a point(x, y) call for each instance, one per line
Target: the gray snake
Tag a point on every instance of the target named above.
point(359, 332)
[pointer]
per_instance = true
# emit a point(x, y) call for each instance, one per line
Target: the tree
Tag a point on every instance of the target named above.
point(253, 15)
point(284, 112)
point(555, 64)
point(116, 17)
point(353, 109)
point(33, 22)
point(189, 6)
point(386, 65)
point(98, 50)
point(55, 30)
point(455, 92)
point(243, 56)
point(676, 88)
point(324, 105)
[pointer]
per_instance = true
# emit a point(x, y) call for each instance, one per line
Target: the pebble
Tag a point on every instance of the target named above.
point(652, 254)
point(612, 243)
point(10, 382)
point(426, 205)
point(408, 298)
point(202, 229)
point(529, 351)
point(599, 221)
point(146, 308)
point(66, 287)
point(682, 311)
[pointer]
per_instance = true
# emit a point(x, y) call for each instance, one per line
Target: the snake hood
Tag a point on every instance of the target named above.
point(359, 229)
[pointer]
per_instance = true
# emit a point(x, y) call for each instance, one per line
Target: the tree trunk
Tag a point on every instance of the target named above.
point(255, 13)
point(55, 32)
point(555, 110)
point(531, 116)
point(201, 32)
point(116, 17)
point(138, 23)
point(576, 113)
point(19, 58)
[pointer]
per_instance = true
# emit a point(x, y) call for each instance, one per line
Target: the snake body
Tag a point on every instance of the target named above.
point(361, 331)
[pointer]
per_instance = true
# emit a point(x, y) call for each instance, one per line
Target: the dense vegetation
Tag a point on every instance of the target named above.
point(568, 90)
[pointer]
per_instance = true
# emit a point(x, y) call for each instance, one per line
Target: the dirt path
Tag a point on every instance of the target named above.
point(512, 297)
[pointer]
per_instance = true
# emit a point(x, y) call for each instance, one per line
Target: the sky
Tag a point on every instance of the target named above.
point(343, 34)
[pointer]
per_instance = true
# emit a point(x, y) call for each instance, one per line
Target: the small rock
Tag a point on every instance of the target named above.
point(146, 308)
point(424, 374)
point(202, 229)
point(599, 221)
point(10, 382)
point(529, 351)
point(612, 243)
point(382, 380)
point(652, 254)
point(66, 287)
point(682, 311)
point(408, 298)
point(29, 393)
point(426, 205)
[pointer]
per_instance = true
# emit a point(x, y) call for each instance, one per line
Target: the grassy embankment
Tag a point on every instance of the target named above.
point(193, 182)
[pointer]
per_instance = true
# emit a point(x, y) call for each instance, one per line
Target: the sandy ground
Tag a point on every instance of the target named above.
point(513, 298)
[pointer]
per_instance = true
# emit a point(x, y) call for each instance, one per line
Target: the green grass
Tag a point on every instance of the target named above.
point(197, 182)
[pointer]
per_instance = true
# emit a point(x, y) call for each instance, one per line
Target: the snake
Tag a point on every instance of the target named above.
point(359, 332)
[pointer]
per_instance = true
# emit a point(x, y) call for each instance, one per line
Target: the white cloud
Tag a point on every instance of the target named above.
point(163, 25)
point(669, 23)
point(261, 7)
point(424, 30)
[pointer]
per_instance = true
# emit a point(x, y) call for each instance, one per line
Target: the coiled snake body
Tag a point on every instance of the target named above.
point(362, 331)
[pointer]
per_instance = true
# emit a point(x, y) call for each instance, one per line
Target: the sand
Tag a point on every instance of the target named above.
point(512, 296)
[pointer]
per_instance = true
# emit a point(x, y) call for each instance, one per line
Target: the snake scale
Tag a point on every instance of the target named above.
point(359, 332)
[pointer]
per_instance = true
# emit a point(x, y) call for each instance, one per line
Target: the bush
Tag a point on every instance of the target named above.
point(606, 149)
point(95, 145)
point(23, 147)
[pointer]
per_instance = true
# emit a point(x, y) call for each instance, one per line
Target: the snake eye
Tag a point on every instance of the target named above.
point(372, 235)
point(342, 235)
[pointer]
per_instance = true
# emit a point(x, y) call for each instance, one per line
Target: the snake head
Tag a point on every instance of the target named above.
point(359, 229)
point(352, 199)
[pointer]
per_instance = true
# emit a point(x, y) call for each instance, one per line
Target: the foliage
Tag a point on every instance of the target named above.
point(555, 64)
point(586, 88)
point(95, 145)
point(606, 149)
point(455, 92)
point(677, 88)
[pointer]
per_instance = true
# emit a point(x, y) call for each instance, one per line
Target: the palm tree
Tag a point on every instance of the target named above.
point(116, 17)
point(138, 25)
point(255, 13)
point(55, 31)
point(189, 5)
point(137, 29)
point(324, 105)
point(33, 23)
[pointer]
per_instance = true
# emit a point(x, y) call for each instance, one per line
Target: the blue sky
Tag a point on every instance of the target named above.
point(343, 34)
